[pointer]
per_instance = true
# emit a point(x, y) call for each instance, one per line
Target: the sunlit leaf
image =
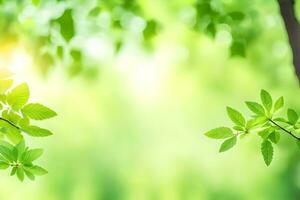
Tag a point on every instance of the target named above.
point(278, 104)
point(255, 107)
point(267, 151)
point(236, 116)
point(220, 133)
point(266, 99)
point(38, 111)
point(292, 116)
point(18, 97)
point(228, 144)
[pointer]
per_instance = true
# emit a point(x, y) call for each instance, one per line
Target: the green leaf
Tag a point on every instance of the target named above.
point(13, 134)
point(266, 100)
point(15, 154)
point(236, 117)
point(95, 11)
point(20, 174)
point(211, 29)
point(258, 121)
point(244, 135)
point(267, 151)
point(18, 97)
point(278, 104)
point(265, 133)
point(219, 133)
point(36, 170)
point(24, 122)
point(238, 128)
point(29, 175)
point(280, 119)
point(4, 165)
point(76, 55)
point(255, 107)
point(274, 137)
point(66, 23)
point(38, 111)
point(36, 131)
point(238, 48)
point(13, 171)
point(7, 145)
point(21, 148)
point(60, 52)
point(6, 153)
point(13, 117)
point(238, 16)
point(228, 144)
point(292, 116)
point(150, 29)
point(31, 155)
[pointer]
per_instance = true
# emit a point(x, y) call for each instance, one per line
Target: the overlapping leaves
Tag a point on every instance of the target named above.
point(15, 123)
point(19, 159)
point(264, 122)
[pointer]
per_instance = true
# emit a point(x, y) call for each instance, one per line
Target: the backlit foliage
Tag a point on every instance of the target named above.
point(17, 115)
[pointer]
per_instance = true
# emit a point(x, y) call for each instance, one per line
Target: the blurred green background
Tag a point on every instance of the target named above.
point(136, 84)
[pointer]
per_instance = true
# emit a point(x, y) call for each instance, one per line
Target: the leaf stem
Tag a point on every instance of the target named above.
point(10, 123)
point(289, 132)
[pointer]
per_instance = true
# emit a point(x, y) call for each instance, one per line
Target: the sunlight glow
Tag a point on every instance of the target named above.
point(16, 59)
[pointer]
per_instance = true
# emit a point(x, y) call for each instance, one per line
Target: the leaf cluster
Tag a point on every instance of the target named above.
point(266, 121)
point(16, 119)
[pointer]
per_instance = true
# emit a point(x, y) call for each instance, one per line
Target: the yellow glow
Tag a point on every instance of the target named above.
point(15, 58)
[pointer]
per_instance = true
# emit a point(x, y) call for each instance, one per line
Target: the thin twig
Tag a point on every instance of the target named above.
point(289, 132)
point(9, 123)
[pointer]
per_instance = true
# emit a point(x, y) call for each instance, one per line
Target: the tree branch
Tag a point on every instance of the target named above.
point(9, 123)
point(289, 132)
point(293, 30)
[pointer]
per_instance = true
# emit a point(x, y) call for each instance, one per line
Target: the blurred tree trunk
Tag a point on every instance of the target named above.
point(293, 30)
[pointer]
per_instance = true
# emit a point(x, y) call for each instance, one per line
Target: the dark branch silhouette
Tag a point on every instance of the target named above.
point(293, 30)
point(285, 130)
point(9, 122)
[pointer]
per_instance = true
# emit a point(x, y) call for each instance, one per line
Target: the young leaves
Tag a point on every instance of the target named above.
point(15, 121)
point(267, 151)
point(20, 159)
point(292, 116)
point(228, 144)
point(278, 104)
point(236, 117)
point(256, 108)
point(38, 111)
point(18, 97)
point(219, 133)
point(263, 122)
point(266, 99)
point(35, 131)
point(31, 155)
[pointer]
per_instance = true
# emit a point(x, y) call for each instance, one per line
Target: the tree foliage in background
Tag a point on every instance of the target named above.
point(15, 123)
point(214, 16)
point(54, 42)
point(54, 31)
point(53, 38)
point(266, 121)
